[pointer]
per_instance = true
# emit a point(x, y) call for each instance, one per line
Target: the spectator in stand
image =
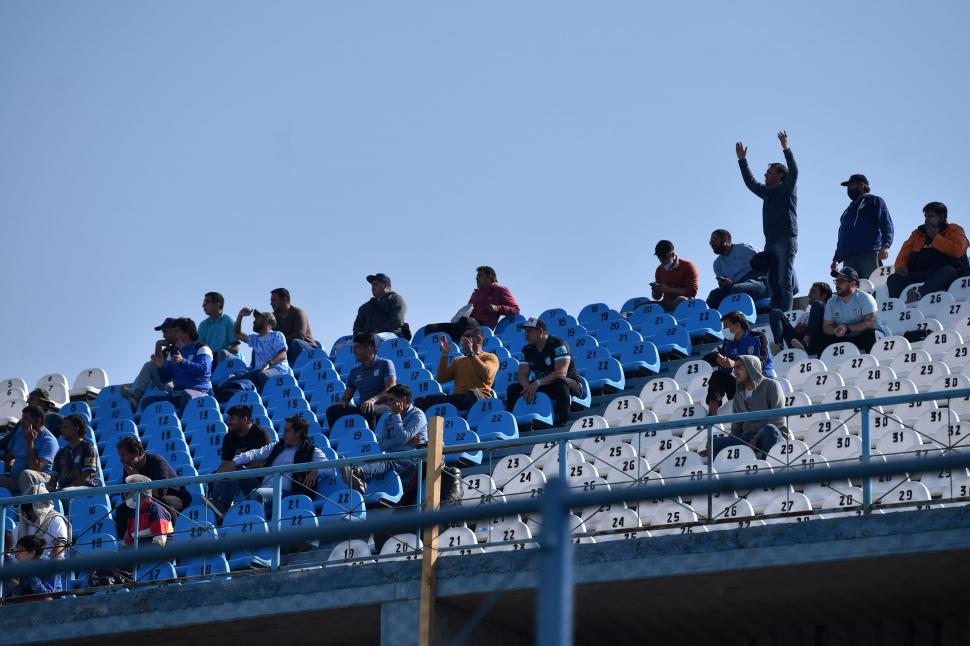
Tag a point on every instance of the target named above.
point(739, 339)
point(474, 372)
point(372, 377)
point(40, 397)
point(76, 465)
point(41, 520)
point(675, 280)
point(755, 392)
point(487, 304)
point(292, 322)
point(216, 330)
point(154, 519)
point(733, 270)
point(865, 229)
point(849, 316)
point(30, 453)
point(404, 429)
point(243, 436)
point(550, 359)
point(30, 548)
point(294, 448)
point(383, 315)
point(935, 254)
point(149, 372)
point(137, 461)
point(778, 218)
point(807, 326)
point(269, 347)
point(188, 366)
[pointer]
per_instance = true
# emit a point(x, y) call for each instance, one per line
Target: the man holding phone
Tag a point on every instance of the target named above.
point(675, 279)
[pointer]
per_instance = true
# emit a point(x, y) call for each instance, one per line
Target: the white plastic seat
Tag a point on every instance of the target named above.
point(671, 513)
point(819, 385)
point(904, 363)
point(894, 388)
point(802, 425)
point(653, 389)
point(737, 515)
point(58, 393)
point(402, 547)
point(889, 348)
point(657, 449)
point(801, 371)
point(851, 369)
point(530, 483)
point(683, 466)
point(509, 536)
point(847, 502)
point(732, 457)
point(900, 442)
point(925, 375)
point(960, 289)
point(907, 494)
point(14, 382)
point(786, 453)
point(50, 379)
point(458, 541)
point(788, 502)
point(630, 472)
point(547, 458)
point(696, 436)
point(697, 387)
point(786, 386)
point(865, 285)
point(958, 358)
point(930, 325)
point(959, 484)
point(350, 549)
point(880, 275)
point(89, 383)
point(901, 320)
point(785, 359)
point(843, 395)
point(939, 344)
point(822, 431)
point(838, 353)
point(953, 315)
point(669, 403)
point(509, 467)
point(691, 370)
point(636, 418)
point(590, 445)
point(934, 302)
point(935, 423)
point(841, 447)
point(621, 523)
point(612, 455)
point(621, 407)
point(480, 489)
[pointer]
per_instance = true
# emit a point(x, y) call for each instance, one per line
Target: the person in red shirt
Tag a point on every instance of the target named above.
point(675, 280)
point(487, 304)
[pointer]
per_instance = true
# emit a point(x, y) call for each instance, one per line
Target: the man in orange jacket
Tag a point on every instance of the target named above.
point(935, 254)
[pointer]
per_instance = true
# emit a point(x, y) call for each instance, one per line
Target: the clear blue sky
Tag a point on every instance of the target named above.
point(150, 152)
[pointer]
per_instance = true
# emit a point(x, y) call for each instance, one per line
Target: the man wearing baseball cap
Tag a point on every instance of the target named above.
point(383, 315)
point(148, 374)
point(550, 360)
point(850, 315)
point(269, 346)
point(865, 229)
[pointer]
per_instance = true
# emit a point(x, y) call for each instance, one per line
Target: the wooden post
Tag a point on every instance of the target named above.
point(429, 535)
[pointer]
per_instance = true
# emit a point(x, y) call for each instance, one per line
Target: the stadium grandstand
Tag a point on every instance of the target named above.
point(804, 559)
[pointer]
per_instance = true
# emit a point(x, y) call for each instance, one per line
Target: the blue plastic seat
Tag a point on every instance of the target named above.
point(308, 357)
point(621, 340)
point(227, 369)
point(345, 504)
point(431, 342)
point(158, 409)
point(704, 324)
point(540, 410)
point(204, 566)
point(508, 321)
point(639, 357)
point(297, 511)
point(246, 397)
point(239, 510)
point(633, 304)
point(686, 308)
point(366, 446)
point(583, 344)
point(673, 341)
point(348, 426)
point(585, 400)
point(550, 315)
point(426, 387)
point(414, 376)
point(76, 408)
point(163, 571)
point(244, 559)
point(592, 314)
point(496, 425)
point(589, 356)
point(651, 326)
point(504, 379)
point(740, 303)
point(605, 374)
point(457, 432)
point(195, 522)
point(312, 367)
point(442, 410)
point(206, 402)
point(90, 519)
point(97, 543)
point(386, 489)
point(492, 344)
point(483, 408)
point(611, 322)
point(288, 407)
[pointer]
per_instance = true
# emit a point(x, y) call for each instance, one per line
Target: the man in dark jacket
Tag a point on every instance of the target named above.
point(778, 217)
point(865, 229)
point(383, 315)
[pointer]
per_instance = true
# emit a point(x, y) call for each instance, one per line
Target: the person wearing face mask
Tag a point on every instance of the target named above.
point(733, 270)
point(739, 339)
point(865, 230)
point(779, 218)
point(154, 521)
point(675, 279)
point(41, 520)
point(473, 372)
point(269, 347)
point(935, 254)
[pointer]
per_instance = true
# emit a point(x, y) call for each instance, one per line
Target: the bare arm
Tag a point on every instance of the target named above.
point(237, 330)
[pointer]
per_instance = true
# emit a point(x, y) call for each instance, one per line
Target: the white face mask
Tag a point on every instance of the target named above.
point(42, 508)
point(726, 331)
point(130, 502)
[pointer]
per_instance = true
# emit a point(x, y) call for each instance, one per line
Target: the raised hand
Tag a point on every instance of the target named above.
point(741, 150)
point(246, 311)
point(783, 138)
point(444, 343)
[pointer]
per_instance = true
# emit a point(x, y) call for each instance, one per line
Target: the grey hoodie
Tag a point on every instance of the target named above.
point(767, 395)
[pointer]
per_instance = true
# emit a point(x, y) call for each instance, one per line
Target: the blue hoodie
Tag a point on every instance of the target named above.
point(195, 371)
point(865, 226)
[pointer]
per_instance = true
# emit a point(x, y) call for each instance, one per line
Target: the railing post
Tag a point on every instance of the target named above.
point(554, 619)
point(429, 547)
point(277, 520)
point(866, 453)
point(710, 469)
point(563, 456)
point(3, 540)
point(136, 534)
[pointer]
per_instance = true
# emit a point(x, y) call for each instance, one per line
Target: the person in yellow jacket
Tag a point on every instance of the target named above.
point(473, 372)
point(935, 254)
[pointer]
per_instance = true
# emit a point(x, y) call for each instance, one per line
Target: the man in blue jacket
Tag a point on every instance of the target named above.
point(403, 429)
point(865, 230)
point(188, 366)
point(778, 218)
